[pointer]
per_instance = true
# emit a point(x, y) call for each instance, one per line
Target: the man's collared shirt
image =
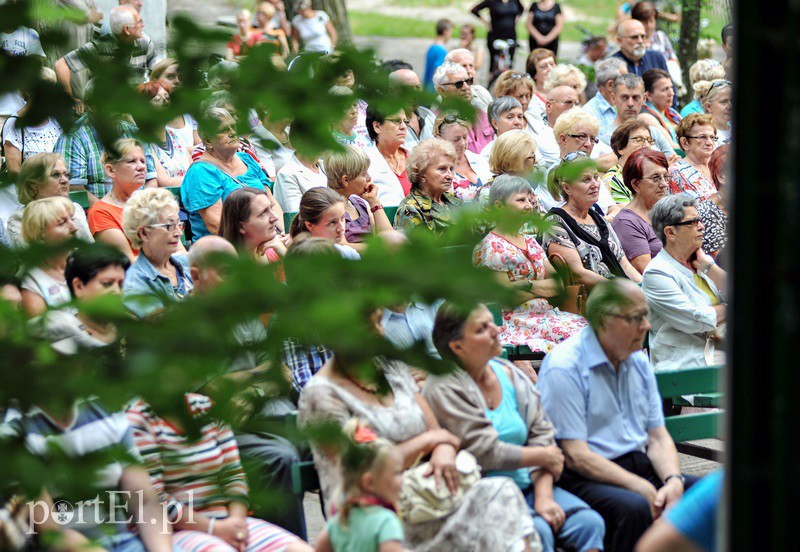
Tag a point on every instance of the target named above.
point(604, 111)
point(650, 60)
point(142, 58)
point(82, 151)
point(304, 361)
point(403, 329)
point(587, 400)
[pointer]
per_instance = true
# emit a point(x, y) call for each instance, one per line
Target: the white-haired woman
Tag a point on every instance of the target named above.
point(522, 265)
point(505, 113)
point(701, 75)
point(717, 103)
point(472, 170)
point(429, 203)
point(41, 176)
point(566, 75)
point(684, 289)
point(47, 221)
point(151, 223)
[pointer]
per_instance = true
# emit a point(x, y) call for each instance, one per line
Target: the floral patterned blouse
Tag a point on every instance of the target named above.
point(591, 256)
point(417, 209)
point(534, 323)
point(683, 177)
point(173, 156)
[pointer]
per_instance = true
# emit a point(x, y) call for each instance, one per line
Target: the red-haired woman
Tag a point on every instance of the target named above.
point(645, 175)
point(170, 152)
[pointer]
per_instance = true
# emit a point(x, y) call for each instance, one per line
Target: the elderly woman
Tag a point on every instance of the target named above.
point(579, 233)
point(515, 154)
point(160, 274)
point(219, 170)
point(47, 221)
point(645, 174)
point(505, 113)
point(701, 75)
point(684, 289)
point(472, 170)
point(430, 203)
point(712, 211)
point(576, 130)
point(41, 176)
point(348, 175)
point(539, 64)
point(522, 265)
point(630, 136)
point(125, 164)
point(389, 157)
point(566, 75)
point(452, 80)
point(496, 412)
point(717, 103)
point(313, 28)
point(697, 136)
point(491, 515)
point(201, 481)
point(520, 86)
point(171, 154)
point(184, 126)
point(344, 130)
point(657, 110)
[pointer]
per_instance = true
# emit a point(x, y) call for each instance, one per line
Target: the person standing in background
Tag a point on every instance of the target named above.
point(545, 22)
point(434, 57)
point(503, 15)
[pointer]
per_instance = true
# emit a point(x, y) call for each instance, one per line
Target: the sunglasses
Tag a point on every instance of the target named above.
point(717, 84)
point(448, 120)
point(570, 157)
point(460, 84)
point(519, 76)
point(691, 222)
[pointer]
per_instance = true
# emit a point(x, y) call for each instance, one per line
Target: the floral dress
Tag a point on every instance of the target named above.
point(173, 155)
point(534, 323)
point(683, 177)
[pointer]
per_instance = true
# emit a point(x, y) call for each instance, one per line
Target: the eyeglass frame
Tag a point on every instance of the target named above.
point(641, 140)
point(703, 137)
point(634, 319)
point(165, 225)
point(397, 120)
point(691, 222)
point(592, 139)
point(572, 156)
point(460, 84)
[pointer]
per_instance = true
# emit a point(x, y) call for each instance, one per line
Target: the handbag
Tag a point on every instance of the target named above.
point(421, 501)
point(574, 297)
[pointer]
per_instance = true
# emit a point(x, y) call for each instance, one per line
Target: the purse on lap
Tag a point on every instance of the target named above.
point(574, 297)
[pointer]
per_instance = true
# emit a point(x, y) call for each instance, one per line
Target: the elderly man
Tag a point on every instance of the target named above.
point(600, 392)
point(420, 118)
point(267, 457)
point(453, 80)
point(606, 72)
point(481, 98)
point(628, 99)
point(126, 28)
point(632, 40)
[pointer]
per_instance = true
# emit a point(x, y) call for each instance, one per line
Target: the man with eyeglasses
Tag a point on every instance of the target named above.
point(452, 80)
point(628, 99)
point(632, 40)
point(599, 390)
point(481, 98)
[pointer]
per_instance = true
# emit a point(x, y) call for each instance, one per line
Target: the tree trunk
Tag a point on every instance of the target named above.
point(338, 12)
point(687, 43)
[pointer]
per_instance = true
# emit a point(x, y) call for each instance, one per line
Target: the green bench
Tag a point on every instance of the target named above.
point(304, 475)
point(81, 197)
point(288, 217)
point(703, 383)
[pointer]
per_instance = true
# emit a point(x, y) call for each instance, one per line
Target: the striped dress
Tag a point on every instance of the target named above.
point(205, 474)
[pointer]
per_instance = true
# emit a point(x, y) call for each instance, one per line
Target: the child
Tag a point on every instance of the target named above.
point(372, 471)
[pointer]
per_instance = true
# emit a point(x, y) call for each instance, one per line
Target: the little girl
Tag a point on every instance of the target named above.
point(372, 471)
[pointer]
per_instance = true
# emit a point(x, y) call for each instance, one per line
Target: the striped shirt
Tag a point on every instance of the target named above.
point(205, 474)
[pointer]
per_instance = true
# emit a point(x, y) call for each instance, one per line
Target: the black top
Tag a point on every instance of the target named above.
point(544, 21)
point(503, 16)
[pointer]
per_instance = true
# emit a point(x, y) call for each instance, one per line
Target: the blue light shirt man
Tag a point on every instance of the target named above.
point(405, 325)
point(599, 390)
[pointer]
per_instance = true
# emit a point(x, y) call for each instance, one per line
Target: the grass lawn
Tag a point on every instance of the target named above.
point(600, 12)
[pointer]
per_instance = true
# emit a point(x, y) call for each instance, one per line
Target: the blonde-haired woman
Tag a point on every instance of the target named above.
point(701, 75)
point(717, 103)
point(125, 164)
point(166, 72)
point(47, 221)
point(430, 167)
point(41, 176)
point(472, 170)
point(244, 39)
point(266, 22)
point(566, 75)
point(151, 223)
point(348, 175)
point(514, 153)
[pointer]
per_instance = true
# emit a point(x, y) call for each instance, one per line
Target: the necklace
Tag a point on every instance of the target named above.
point(115, 200)
point(372, 390)
point(394, 166)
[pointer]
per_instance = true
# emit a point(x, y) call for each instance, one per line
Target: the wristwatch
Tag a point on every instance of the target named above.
point(675, 475)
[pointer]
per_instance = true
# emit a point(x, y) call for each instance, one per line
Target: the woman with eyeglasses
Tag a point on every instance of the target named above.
point(657, 110)
point(645, 175)
point(697, 136)
point(630, 136)
point(43, 175)
point(717, 102)
point(579, 234)
point(684, 288)
point(472, 170)
point(388, 158)
point(505, 114)
point(160, 274)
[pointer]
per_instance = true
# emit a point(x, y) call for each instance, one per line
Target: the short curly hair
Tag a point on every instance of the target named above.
point(143, 208)
point(561, 74)
point(684, 128)
point(424, 155)
point(573, 117)
point(509, 81)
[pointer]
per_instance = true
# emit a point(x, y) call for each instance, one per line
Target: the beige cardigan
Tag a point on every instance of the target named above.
point(459, 406)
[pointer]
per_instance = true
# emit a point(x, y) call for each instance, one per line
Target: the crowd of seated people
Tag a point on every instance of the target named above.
point(644, 241)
